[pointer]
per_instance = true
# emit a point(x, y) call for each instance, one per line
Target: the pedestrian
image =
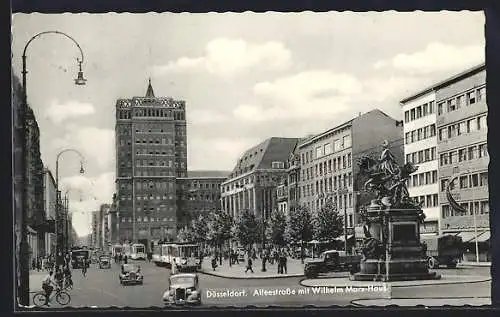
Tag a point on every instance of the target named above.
point(214, 263)
point(249, 265)
point(39, 264)
point(84, 266)
point(120, 258)
point(285, 259)
point(280, 265)
point(125, 259)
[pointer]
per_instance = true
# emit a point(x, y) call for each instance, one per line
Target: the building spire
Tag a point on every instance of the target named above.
point(150, 93)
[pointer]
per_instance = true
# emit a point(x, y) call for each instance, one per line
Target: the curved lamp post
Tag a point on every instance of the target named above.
point(23, 291)
point(61, 240)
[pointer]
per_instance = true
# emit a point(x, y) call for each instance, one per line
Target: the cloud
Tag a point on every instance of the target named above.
point(205, 116)
point(230, 56)
point(304, 95)
point(86, 194)
point(436, 57)
point(97, 145)
point(58, 112)
point(218, 153)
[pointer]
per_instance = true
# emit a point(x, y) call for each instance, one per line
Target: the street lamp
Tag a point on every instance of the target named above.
point(59, 236)
point(23, 291)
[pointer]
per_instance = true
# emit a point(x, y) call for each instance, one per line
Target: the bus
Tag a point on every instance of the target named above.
point(157, 254)
point(443, 250)
point(77, 257)
point(182, 257)
point(138, 251)
point(167, 254)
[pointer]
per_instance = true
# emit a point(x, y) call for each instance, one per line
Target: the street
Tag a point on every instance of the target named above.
point(101, 288)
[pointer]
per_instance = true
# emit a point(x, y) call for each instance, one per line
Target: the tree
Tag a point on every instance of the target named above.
point(248, 229)
point(328, 223)
point(200, 229)
point(276, 228)
point(219, 230)
point(300, 227)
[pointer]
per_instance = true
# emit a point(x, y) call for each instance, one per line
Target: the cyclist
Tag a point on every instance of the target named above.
point(48, 285)
point(67, 276)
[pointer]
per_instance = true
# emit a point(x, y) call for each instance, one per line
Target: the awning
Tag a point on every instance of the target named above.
point(482, 237)
point(466, 236)
point(341, 238)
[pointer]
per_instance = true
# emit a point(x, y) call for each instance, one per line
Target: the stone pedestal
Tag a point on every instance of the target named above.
point(404, 257)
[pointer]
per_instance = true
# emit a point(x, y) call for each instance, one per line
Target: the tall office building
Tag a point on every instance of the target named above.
point(151, 152)
point(420, 148)
point(463, 153)
point(328, 163)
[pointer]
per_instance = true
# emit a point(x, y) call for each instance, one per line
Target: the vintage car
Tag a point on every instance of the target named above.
point(104, 262)
point(131, 274)
point(332, 261)
point(183, 290)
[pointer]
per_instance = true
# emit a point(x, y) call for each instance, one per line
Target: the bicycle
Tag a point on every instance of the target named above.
point(62, 297)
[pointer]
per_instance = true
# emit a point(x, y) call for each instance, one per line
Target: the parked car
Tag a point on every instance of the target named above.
point(332, 261)
point(104, 262)
point(183, 289)
point(131, 274)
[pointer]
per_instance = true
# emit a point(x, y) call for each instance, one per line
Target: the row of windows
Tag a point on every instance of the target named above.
point(161, 208)
point(209, 197)
point(152, 185)
point(466, 99)
point(467, 181)
point(422, 179)
point(463, 127)
point(124, 114)
point(153, 197)
point(327, 149)
point(250, 180)
point(161, 113)
point(420, 134)
point(332, 165)
point(145, 219)
point(419, 111)
point(465, 154)
point(147, 151)
point(145, 163)
point(422, 156)
point(471, 208)
point(327, 185)
point(159, 141)
point(157, 173)
point(202, 185)
point(427, 201)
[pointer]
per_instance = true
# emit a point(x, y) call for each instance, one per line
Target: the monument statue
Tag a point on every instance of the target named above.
point(392, 220)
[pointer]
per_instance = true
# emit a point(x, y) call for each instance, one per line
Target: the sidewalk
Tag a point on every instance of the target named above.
point(237, 271)
point(478, 264)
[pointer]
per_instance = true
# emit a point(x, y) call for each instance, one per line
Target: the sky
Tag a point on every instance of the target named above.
point(244, 76)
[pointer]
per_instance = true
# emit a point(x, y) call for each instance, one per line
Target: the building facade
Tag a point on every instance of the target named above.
point(252, 183)
point(104, 232)
point(420, 147)
point(463, 157)
point(198, 194)
point(328, 163)
point(113, 222)
point(151, 152)
point(50, 205)
point(94, 235)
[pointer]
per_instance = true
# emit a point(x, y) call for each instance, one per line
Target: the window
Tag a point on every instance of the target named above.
point(471, 97)
point(431, 107)
point(347, 141)
point(412, 114)
point(472, 152)
point(407, 116)
point(483, 179)
point(444, 183)
point(434, 177)
point(407, 138)
point(419, 112)
point(433, 130)
point(440, 108)
point(462, 128)
point(464, 181)
point(443, 134)
point(460, 101)
point(278, 165)
point(483, 150)
point(462, 155)
point(337, 145)
point(319, 152)
point(452, 105)
point(472, 125)
point(425, 110)
point(445, 211)
point(481, 94)
point(474, 180)
point(413, 136)
point(419, 134)
point(481, 122)
point(328, 148)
